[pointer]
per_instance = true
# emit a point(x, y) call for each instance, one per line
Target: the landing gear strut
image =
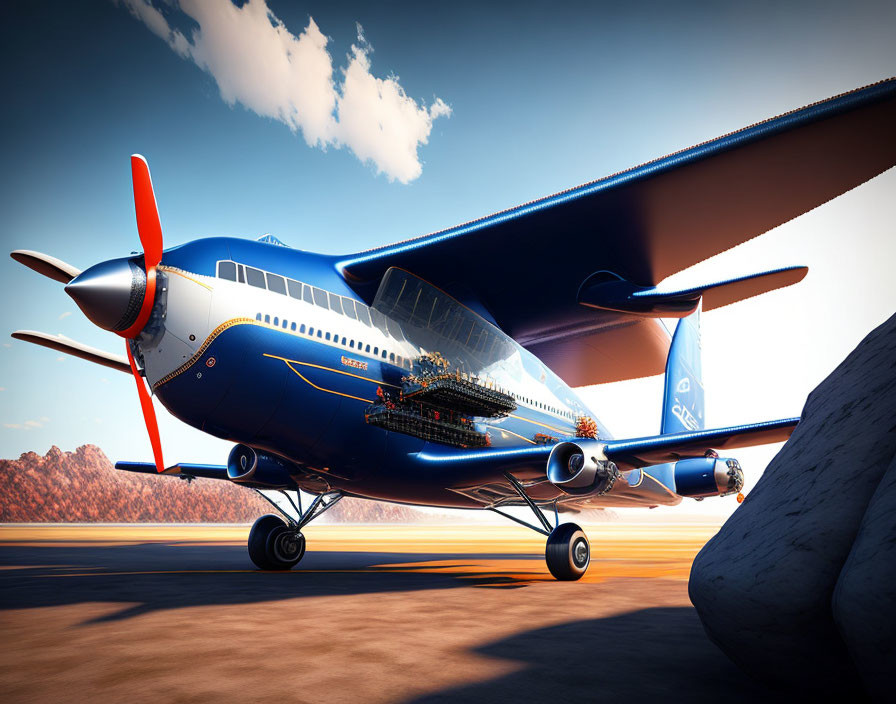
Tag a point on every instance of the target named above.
point(568, 552)
point(277, 544)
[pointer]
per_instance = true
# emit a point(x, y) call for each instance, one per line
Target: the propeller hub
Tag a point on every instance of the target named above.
point(110, 293)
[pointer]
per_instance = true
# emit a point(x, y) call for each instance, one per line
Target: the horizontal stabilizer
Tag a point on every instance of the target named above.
point(606, 291)
point(659, 449)
point(182, 469)
point(52, 267)
point(60, 343)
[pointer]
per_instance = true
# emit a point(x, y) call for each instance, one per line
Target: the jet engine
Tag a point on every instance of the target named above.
point(245, 465)
point(580, 468)
point(708, 476)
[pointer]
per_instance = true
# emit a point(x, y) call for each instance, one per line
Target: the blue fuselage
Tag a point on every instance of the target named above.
point(272, 347)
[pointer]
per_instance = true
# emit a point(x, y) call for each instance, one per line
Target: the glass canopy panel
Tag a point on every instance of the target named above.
point(433, 321)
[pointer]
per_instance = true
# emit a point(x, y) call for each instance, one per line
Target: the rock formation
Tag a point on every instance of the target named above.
point(865, 597)
point(82, 486)
point(764, 585)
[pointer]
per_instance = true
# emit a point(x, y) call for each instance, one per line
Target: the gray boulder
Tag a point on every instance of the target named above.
point(763, 586)
point(865, 597)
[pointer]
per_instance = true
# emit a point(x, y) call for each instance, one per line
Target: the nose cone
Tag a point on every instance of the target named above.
point(110, 293)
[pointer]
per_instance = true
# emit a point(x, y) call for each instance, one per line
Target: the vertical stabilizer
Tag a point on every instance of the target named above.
point(683, 395)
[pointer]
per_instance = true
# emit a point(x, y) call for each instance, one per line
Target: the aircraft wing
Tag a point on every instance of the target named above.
point(627, 454)
point(659, 449)
point(182, 469)
point(526, 265)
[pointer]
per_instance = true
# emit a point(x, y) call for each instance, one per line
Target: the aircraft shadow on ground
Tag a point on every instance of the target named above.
point(154, 576)
point(651, 655)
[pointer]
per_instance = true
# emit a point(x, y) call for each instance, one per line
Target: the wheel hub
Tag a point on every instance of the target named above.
point(580, 553)
point(286, 546)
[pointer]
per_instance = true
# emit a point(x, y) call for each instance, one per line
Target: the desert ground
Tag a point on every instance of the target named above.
point(371, 614)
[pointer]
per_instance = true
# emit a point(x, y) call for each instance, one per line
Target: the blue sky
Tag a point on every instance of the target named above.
point(541, 97)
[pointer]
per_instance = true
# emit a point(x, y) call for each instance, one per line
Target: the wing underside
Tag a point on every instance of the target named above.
point(525, 266)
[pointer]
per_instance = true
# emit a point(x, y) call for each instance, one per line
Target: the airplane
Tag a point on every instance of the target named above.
point(439, 371)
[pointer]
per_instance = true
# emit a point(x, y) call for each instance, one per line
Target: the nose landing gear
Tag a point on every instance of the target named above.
point(273, 545)
point(278, 544)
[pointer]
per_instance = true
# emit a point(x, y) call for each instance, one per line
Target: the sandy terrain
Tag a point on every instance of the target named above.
point(375, 614)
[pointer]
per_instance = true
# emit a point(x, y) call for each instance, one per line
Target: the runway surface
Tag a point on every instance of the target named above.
point(372, 614)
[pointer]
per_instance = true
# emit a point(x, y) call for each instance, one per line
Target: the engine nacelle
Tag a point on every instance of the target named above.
point(580, 467)
point(708, 476)
point(245, 465)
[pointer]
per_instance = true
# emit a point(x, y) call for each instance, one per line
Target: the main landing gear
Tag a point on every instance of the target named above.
point(568, 552)
point(278, 544)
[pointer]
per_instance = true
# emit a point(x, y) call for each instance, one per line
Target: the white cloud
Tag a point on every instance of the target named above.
point(65, 315)
point(28, 424)
point(258, 62)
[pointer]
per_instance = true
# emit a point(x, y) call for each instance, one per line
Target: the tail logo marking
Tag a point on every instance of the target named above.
point(688, 420)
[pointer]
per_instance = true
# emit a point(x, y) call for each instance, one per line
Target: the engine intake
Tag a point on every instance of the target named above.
point(708, 476)
point(245, 465)
point(580, 468)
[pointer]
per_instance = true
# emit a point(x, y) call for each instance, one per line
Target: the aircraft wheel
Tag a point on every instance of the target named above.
point(568, 552)
point(273, 546)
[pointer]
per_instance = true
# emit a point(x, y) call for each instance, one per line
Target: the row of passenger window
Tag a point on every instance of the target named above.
point(232, 271)
point(544, 406)
point(360, 346)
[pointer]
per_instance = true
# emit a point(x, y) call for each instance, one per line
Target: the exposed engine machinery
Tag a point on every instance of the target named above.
point(435, 404)
point(245, 465)
point(708, 476)
point(581, 468)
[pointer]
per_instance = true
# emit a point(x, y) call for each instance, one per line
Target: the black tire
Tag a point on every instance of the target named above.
point(568, 552)
point(258, 543)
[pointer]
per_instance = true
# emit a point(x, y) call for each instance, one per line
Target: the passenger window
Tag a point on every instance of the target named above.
point(348, 305)
point(255, 277)
point(276, 320)
point(391, 356)
point(363, 313)
point(376, 351)
point(227, 270)
point(336, 303)
point(327, 336)
point(319, 334)
point(267, 318)
point(295, 288)
point(258, 316)
point(240, 274)
point(276, 284)
point(306, 294)
point(343, 340)
point(302, 329)
point(293, 328)
point(351, 343)
point(311, 331)
point(384, 354)
point(285, 323)
point(368, 348)
point(320, 297)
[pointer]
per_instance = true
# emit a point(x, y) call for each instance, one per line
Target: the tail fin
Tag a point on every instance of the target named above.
point(683, 395)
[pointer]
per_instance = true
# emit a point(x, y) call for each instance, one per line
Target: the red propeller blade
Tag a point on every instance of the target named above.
point(148, 224)
point(150, 230)
point(149, 414)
